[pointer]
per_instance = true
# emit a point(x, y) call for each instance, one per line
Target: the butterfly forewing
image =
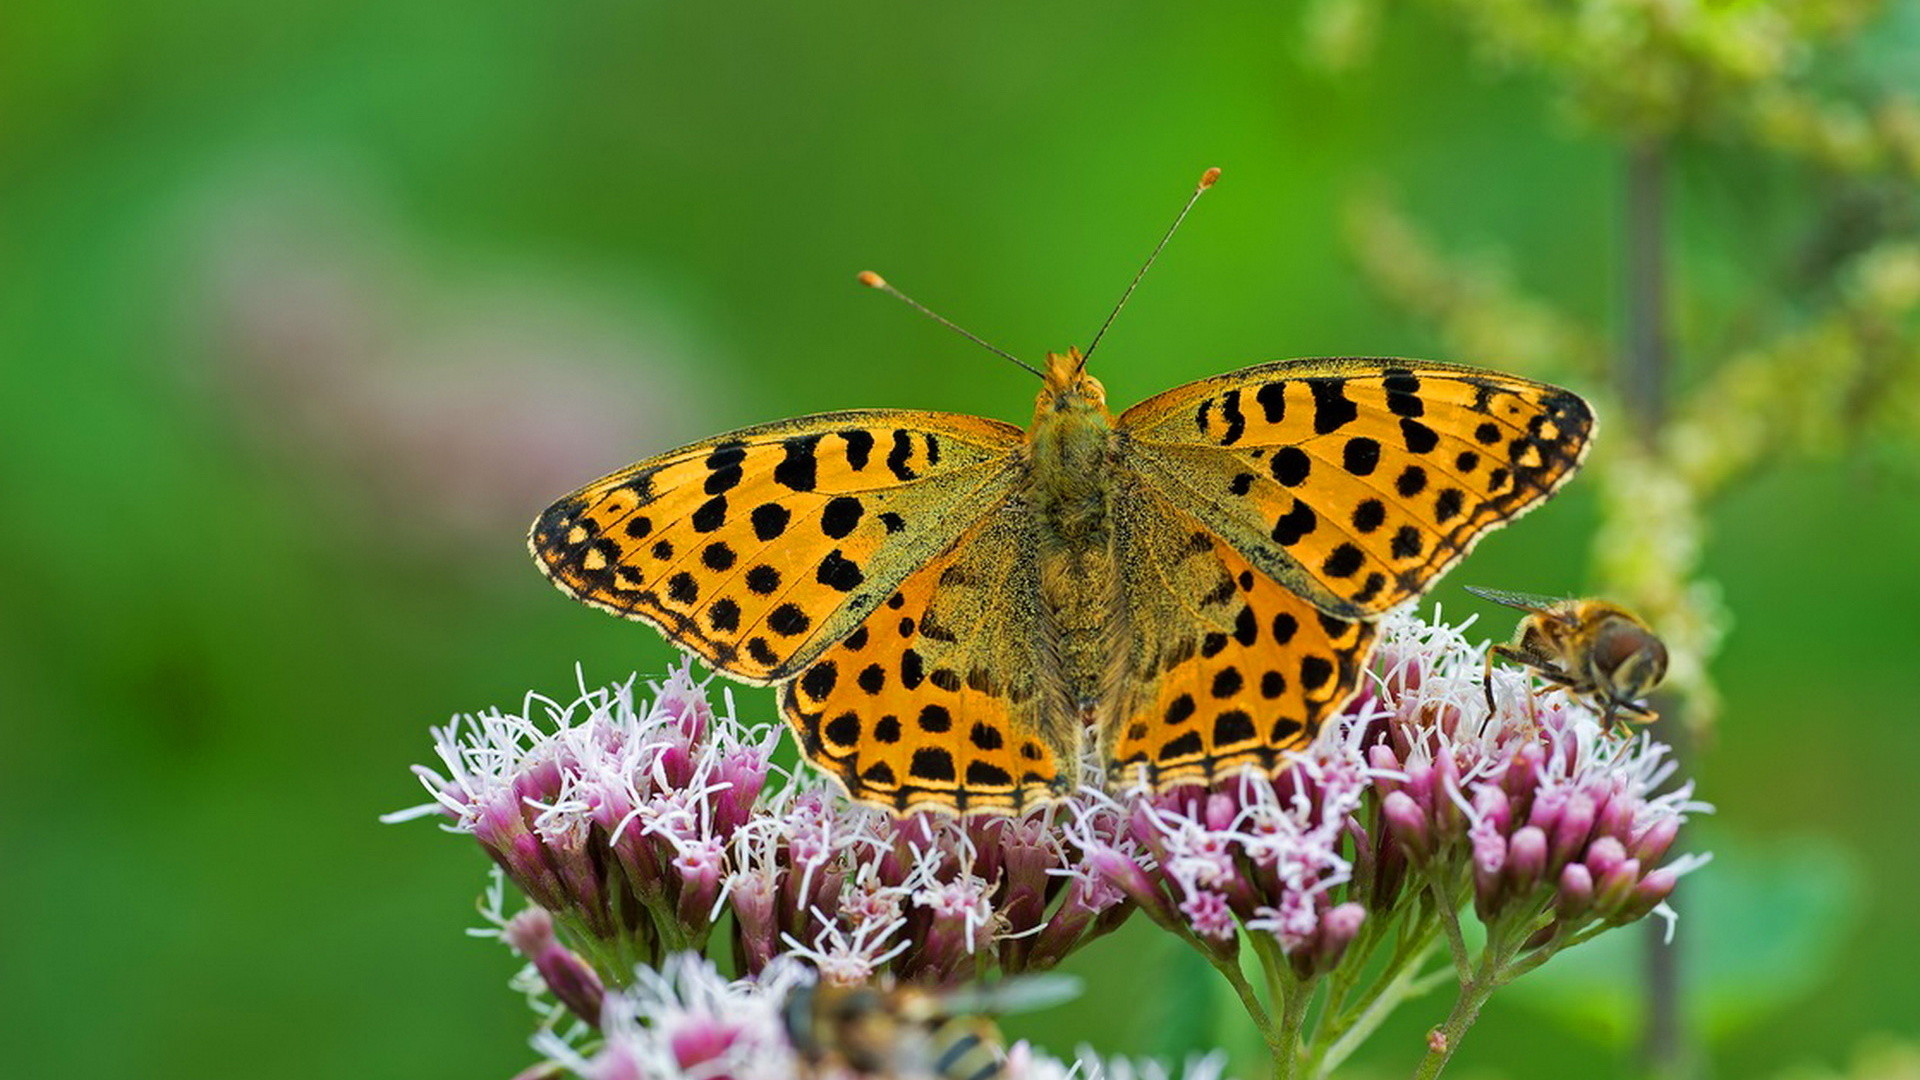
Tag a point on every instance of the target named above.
point(1356, 483)
point(936, 699)
point(759, 549)
point(1229, 668)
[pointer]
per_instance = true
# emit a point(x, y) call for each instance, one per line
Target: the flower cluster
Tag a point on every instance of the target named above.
point(1552, 816)
point(648, 830)
point(928, 898)
point(617, 820)
point(1442, 785)
point(685, 1020)
point(641, 826)
point(1254, 853)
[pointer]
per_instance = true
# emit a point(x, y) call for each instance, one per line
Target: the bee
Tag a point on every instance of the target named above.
point(911, 1032)
point(1598, 650)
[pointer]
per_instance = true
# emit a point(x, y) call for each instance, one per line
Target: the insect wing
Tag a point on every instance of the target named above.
point(1356, 483)
point(759, 549)
point(1527, 602)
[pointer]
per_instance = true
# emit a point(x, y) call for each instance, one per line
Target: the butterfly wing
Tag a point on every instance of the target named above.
point(1227, 667)
point(759, 549)
point(939, 698)
point(1356, 483)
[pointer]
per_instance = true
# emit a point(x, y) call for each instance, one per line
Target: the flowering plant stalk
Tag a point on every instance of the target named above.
point(647, 833)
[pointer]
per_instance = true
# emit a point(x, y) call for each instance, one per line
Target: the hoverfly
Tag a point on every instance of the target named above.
point(1598, 650)
point(912, 1032)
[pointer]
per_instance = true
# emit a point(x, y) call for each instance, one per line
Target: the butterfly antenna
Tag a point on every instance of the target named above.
point(874, 281)
point(1206, 181)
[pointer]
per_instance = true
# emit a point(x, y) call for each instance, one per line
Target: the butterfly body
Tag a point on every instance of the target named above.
point(956, 608)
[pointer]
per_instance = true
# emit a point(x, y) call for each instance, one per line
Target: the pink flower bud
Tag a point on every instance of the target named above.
point(1650, 893)
point(1338, 928)
point(1611, 889)
point(1382, 759)
point(1570, 833)
point(1603, 855)
point(1654, 840)
point(1419, 785)
point(1574, 901)
point(753, 899)
point(699, 866)
point(1127, 876)
point(1448, 820)
point(573, 982)
point(699, 1041)
point(1221, 810)
point(1526, 859)
point(1490, 805)
point(1407, 825)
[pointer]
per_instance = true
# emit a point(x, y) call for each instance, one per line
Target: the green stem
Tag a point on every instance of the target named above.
point(1447, 901)
point(1389, 994)
point(1336, 1017)
point(1230, 970)
point(1289, 999)
point(1474, 993)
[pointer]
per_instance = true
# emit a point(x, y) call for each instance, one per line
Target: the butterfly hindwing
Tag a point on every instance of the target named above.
point(937, 698)
point(1229, 669)
point(1357, 483)
point(759, 549)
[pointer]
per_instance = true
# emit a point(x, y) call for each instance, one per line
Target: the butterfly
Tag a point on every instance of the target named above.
point(957, 610)
point(953, 607)
point(1598, 650)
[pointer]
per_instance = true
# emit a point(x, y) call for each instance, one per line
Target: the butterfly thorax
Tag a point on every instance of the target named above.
point(1067, 453)
point(1068, 492)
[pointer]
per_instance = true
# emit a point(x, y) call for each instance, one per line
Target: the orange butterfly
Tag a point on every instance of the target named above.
point(954, 606)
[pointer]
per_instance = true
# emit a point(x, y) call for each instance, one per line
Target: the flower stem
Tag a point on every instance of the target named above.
point(1398, 983)
point(1230, 970)
point(1445, 1039)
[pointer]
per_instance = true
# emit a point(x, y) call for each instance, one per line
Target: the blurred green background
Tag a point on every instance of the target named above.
point(306, 308)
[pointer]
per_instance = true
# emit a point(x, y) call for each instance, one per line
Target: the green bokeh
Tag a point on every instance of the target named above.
point(232, 597)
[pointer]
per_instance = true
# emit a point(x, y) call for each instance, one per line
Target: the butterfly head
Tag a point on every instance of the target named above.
point(1069, 389)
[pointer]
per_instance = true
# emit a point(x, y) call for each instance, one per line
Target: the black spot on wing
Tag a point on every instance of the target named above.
point(711, 515)
point(717, 556)
point(1273, 401)
point(1331, 408)
point(1360, 456)
point(770, 520)
point(1295, 524)
point(1231, 727)
point(986, 774)
point(1419, 438)
point(799, 470)
point(859, 448)
point(1291, 466)
point(898, 457)
point(762, 580)
point(932, 763)
point(838, 572)
point(1236, 421)
point(841, 516)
